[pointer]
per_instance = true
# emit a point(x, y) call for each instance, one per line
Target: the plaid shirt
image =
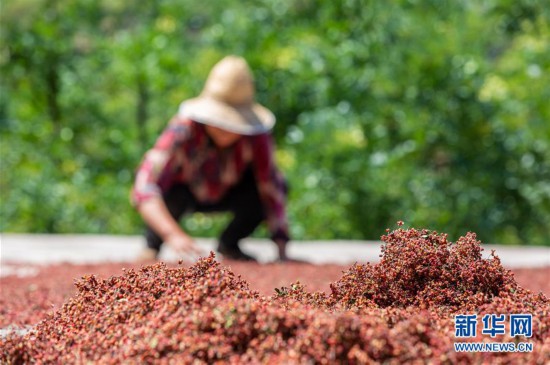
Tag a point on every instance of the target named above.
point(184, 153)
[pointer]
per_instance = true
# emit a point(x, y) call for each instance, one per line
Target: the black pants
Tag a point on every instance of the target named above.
point(242, 200)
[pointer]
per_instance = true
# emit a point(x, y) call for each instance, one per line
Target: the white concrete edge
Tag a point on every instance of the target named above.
point(41, 249)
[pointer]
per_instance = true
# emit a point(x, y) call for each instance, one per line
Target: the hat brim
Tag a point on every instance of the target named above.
point(252, 119)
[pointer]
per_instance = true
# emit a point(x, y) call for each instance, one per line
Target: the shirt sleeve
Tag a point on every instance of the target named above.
point(271, 186)
point(156, 161)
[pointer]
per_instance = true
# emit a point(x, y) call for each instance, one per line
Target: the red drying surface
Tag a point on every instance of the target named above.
point(27, 300)
point(398, 310)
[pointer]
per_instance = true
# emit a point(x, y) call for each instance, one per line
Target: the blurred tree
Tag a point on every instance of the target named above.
point(433, 112)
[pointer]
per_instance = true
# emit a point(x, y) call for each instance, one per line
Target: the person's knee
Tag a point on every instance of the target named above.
point(179, 200)
point(252, 209)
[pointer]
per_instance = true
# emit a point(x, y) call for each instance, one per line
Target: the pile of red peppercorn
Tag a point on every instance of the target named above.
point(399, 310)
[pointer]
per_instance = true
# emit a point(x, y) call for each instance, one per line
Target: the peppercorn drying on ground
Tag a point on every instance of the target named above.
point(396, 311)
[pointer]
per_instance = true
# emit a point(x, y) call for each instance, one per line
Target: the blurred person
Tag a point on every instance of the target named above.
point(215, 155)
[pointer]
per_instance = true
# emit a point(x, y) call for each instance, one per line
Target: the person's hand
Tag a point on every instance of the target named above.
point(184, 245)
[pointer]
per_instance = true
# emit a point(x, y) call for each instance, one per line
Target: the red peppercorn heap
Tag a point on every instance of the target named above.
point(400, 310)
point(423, 269)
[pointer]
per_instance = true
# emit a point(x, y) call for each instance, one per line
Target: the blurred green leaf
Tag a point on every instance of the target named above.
point(431, 112)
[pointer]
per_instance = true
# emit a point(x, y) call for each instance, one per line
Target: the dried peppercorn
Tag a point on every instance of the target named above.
point(398, 310)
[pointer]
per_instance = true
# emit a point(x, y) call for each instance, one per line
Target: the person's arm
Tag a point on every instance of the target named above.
point(157, 216)
point(273, 192)
point(147, 195)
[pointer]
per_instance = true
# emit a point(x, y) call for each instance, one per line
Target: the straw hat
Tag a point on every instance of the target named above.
point(227, 100)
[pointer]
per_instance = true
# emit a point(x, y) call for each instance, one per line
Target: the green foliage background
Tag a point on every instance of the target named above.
point(432, 112)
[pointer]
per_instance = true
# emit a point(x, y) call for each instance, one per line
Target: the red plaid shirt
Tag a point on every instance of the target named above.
point(184, 153)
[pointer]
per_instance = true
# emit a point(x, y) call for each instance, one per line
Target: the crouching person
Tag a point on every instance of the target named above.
point(215, 155)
